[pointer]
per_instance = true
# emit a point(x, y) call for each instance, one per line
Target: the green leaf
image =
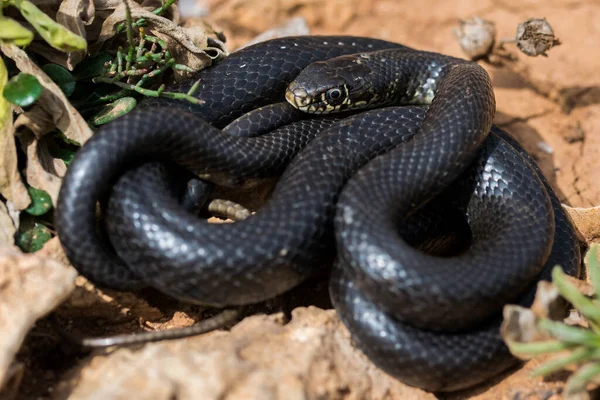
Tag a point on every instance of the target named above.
point(65, 155)
point(575, 297)
point(13, 32)
point(22, 90)
point(92, 66)
point(61, 136)
point(577, 383)
point(591, 259)
point(31, 235)
point(570, 334)
point(113, 110)
point(536, 348)
point(577, 356)
point(5, 111)
point(62, 77)
point(41, 202)
point(54, 33)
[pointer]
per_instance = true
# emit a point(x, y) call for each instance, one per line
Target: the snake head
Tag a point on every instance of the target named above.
point(339, 84)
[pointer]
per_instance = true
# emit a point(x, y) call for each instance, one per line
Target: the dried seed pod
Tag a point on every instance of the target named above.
point(476, 37)
point(535, 36)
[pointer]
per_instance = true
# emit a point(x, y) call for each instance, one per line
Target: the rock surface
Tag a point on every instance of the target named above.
point(30, 287)
point(310, 357)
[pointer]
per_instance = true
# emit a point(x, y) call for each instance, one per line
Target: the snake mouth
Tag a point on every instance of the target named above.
point(299, 99)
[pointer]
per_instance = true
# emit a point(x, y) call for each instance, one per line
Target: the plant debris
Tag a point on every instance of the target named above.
point(535, 37)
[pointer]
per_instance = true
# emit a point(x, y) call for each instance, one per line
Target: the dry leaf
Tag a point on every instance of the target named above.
point(12, 382)
point(52, 100)
point(30, 287)
point(11, 184)
point(7, 228)
point(76, 15)
point(548, 303)
point(35, 120)
point(43, 171)
point(14, 214)
point(520, 325)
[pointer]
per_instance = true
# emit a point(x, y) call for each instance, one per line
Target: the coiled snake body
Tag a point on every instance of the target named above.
point(432, 321)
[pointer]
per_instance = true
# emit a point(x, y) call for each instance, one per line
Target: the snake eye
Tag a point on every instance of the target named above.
point(333, 96)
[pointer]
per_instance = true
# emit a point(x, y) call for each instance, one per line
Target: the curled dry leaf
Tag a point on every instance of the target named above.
point(43, 171)
point(11, 185)
point(548, 303)
point(52, 101)
point(30, 287)
point(77, 16)
point(7, 227)
point(51, 110)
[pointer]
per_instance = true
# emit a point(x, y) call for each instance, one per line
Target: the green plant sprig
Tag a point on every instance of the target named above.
point(580, 345)
point(140, 65)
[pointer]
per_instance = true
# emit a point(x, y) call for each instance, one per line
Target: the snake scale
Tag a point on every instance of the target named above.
point(362, 190)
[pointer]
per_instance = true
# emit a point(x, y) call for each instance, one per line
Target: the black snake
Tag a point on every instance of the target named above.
point(430, 320)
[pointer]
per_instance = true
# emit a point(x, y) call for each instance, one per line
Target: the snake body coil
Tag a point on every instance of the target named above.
point(431, 321)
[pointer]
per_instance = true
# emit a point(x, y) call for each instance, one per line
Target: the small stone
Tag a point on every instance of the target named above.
point(545, 147)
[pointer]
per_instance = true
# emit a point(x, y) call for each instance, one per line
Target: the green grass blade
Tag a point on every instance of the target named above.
point(577, 356)
point(574, 296)
point(578, 381)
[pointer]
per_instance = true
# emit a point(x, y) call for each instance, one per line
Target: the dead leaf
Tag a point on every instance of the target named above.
point(12, 382)
point(11, 184)
point(42, 171)
point(520, 326)
point(30, 287)
point(7, 227)
point(52, 99)
point(14, 214)
point(35, 120)
point(77, 16)
point(548, 303)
